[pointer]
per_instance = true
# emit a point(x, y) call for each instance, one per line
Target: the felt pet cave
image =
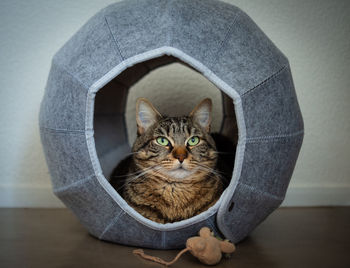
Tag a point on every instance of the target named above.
point(83, 129)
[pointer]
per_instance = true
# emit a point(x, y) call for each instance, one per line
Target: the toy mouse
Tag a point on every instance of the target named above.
point(205, 247)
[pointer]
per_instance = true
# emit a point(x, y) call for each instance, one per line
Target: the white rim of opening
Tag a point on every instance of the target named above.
point(221, 206)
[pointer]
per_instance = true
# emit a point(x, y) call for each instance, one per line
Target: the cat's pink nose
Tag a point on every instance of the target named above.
point(180, 153)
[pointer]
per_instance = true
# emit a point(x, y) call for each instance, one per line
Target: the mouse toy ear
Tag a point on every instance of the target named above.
point(227, 247)
point(205, 232)
point(146, 115)
point(201, 114)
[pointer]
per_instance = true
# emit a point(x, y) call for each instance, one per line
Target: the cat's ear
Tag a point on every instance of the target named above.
point(146, 115)
point(202, 114)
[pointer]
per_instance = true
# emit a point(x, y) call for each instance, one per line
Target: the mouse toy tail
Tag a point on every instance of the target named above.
point(142, 254)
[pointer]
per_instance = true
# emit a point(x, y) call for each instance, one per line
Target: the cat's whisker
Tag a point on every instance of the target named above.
point(215, 172)
point(144, 172)
point(161, 175)
point(211, 171)
point(135, 173)
point(223, 179)
point(217, 152)
point(164, 177)
point(139, 174)
point(131, 153)
point(209, 168)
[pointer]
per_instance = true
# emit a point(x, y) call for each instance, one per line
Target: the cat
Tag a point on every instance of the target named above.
point(172, 172)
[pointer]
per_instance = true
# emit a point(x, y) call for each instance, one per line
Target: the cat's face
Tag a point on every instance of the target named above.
point(174, 147)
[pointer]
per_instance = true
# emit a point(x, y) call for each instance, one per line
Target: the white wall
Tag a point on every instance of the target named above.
point(314, 34)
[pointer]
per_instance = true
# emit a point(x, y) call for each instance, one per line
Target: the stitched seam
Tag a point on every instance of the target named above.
point(168, 39)
point(77, 183)
point(263, 82)
point(256, 139)
point(228, 34)
point(59, 130)
point(115, 40)
point(94, 160)
point(65, 69)
point(112, 222)
point(261, 192)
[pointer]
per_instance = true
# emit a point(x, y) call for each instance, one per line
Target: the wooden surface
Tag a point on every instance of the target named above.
point(290, 237)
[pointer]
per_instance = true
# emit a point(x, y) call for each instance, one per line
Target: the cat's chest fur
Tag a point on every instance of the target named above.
point(164, 201)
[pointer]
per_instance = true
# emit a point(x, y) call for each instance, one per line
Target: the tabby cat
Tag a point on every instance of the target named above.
point(172, 172)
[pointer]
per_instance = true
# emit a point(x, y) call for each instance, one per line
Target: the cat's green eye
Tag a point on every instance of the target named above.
point(162, 141)
point(193, 141)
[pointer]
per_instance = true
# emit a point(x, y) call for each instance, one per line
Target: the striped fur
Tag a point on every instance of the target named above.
point(174, 182)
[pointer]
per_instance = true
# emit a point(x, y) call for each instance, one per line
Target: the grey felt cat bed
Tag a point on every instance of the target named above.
point(82, 114)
